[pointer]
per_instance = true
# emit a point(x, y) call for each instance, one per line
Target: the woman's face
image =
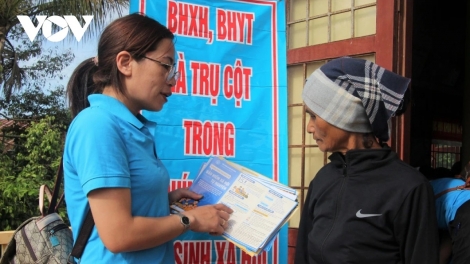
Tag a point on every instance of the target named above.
point(149, 85)
point(328, 137)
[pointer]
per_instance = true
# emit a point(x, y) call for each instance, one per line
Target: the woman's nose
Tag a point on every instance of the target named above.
point(172, 82)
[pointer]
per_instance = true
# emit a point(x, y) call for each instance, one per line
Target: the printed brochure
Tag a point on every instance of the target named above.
point(261, 206)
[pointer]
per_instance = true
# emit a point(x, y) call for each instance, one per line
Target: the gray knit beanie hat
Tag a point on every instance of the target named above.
point(355, 95)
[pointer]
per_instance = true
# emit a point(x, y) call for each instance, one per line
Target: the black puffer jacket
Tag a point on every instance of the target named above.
point(368, 207)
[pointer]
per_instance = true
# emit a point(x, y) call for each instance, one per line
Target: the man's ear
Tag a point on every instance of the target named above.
point(124, 63)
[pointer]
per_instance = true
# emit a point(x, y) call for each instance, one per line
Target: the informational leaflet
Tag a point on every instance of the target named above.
point(260, 208)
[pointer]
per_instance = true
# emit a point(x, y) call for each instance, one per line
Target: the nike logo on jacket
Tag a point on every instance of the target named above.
point(361, 215)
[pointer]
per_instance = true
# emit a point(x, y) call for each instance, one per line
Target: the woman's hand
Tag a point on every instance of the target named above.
point(177, 194)
point(212, 219)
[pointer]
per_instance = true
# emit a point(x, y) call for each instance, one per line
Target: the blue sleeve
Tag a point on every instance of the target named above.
point(96, 149)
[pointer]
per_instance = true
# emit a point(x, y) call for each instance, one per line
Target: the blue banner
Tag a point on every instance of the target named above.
point(230, 101)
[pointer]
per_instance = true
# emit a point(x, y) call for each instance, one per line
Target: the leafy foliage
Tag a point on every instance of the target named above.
point(40, 119)
point(31, 105)
point(13, 40)
point(21, 175)
point(27, 64)
point(31, 158)
point(34, 103)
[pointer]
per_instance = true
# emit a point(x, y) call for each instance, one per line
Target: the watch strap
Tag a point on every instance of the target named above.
point(184, 220)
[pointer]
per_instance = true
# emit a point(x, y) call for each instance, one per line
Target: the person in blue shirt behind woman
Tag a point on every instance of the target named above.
point(110, 162)
point(453, 217)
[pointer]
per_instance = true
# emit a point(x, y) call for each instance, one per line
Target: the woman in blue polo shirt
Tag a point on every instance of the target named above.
point(110, 163)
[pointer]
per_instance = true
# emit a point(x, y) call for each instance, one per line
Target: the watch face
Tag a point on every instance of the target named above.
point(185, 220)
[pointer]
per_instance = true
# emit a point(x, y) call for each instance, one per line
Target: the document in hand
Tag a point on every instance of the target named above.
point(261, 206)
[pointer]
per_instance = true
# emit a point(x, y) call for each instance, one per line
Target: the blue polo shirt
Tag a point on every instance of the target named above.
point(109, 147)
point(448, 204)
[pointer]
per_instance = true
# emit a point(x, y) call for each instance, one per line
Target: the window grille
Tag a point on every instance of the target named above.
point(444, 153)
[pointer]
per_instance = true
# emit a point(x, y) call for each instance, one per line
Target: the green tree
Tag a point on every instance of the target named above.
point(12, 72)
point(30, 150)
point(34, 103)
point(30, 105)
point(21, 175)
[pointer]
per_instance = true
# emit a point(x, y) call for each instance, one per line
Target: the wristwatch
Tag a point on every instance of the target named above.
point(184, 221)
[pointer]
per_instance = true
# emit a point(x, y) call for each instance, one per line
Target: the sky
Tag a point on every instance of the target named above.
point(82, 50)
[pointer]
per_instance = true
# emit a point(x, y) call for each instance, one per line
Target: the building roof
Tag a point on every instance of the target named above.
point(6, 139)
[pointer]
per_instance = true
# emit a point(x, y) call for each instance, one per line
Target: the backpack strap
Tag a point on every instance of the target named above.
point(44, 190)
point(83, 236)
point(55, 192)
point(61, 199)
point(465, 186)
point(88, 223)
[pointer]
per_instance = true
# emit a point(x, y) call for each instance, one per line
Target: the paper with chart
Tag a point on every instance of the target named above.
point(260, 210)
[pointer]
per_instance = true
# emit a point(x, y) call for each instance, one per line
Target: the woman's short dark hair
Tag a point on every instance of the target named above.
point(136, 34)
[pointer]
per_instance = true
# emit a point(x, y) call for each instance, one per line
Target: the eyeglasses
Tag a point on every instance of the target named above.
point(172, 73)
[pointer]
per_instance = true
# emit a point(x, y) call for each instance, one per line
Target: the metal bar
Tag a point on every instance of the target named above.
point(329, 21)
point(307, 22)
point(302, 154)
point(303, 146)
point(352, 18)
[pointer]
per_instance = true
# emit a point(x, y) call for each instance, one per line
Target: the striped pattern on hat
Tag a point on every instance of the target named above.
point(355, 95)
